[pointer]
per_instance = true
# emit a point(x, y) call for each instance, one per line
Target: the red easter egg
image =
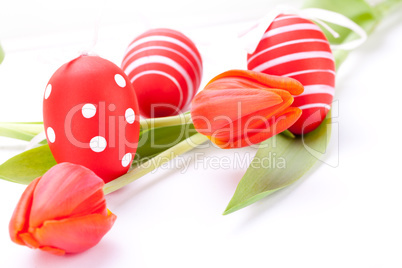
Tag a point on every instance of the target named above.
point(165, 69)
point(296, 47)
point(91, 116)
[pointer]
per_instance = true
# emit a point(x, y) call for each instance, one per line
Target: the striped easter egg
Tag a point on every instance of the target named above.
point(165, 69)
point(296, 47)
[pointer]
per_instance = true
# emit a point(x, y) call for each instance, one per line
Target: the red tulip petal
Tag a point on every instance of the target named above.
point(272, 81)
point(279, 123)
point(67, 190)
point(29, 241)
point(213, 109)
point(73, 235)
point(54, 251)
point(234, 130)
point(287, 100)
point(269, 112)
point(232, 82)
point(18, 223)
point(261, 130)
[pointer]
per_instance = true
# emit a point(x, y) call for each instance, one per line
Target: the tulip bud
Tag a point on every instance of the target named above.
point(64, 211)
point(240, 108)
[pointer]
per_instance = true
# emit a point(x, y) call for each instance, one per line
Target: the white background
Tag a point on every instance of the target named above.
point(345, 213)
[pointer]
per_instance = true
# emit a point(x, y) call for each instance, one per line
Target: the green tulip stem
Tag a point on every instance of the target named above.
point(28, 130)
point(166, 121)
point(155, 162)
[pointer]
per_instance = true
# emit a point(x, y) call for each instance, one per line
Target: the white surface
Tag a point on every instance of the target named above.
point(345, 213)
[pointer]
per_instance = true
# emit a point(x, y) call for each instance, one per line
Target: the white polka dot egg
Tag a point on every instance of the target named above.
point(91, 116)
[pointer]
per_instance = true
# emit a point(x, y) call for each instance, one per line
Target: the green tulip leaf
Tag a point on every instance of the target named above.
point(21, 131)
point(154, 141)
point(279, 162)
point(27, 166)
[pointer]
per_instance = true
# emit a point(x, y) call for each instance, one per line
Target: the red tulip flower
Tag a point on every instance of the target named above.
point(64, 211)
point(240, 108)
